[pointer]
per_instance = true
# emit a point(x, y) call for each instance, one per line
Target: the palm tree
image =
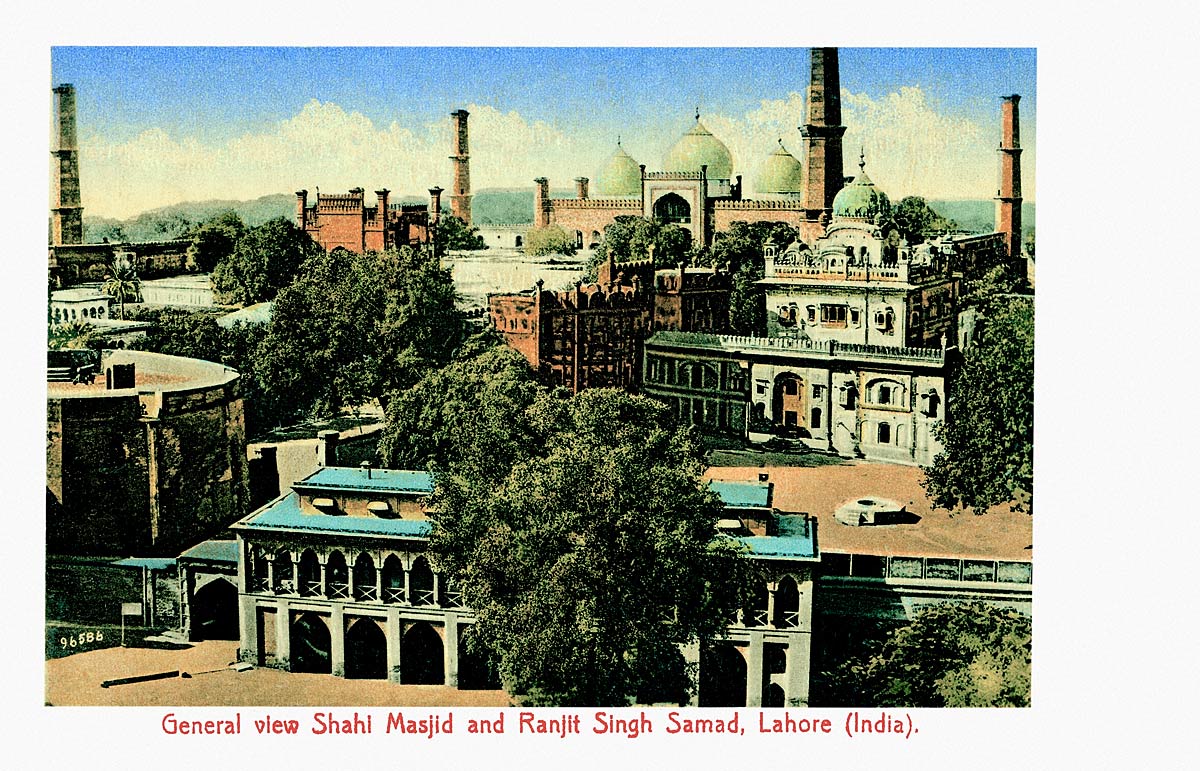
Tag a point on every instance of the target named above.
point(121, 282)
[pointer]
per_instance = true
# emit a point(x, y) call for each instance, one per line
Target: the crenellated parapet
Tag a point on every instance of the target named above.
point(632, 204)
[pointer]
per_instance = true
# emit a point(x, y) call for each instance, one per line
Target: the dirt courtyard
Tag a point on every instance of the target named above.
point(75, 681)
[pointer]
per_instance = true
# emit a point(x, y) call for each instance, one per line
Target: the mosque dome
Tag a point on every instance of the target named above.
point(861, 199)
point(621, 176)
point(698, 147)
point(781, 173)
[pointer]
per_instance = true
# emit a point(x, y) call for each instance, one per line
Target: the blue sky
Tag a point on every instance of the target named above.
point(159, 125)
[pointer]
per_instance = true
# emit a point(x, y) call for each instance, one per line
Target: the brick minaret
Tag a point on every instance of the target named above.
point(67, 212)
point(460, 195)
point(581, 188)
point(1008, 197)
point(381, 212)
point(823, 131)
point(301, 208)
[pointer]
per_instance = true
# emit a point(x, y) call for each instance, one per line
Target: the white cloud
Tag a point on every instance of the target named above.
point(911, 148)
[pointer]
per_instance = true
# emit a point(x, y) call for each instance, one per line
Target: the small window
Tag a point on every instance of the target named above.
point(855, 317)
point(816, 417)
point(812, 313)
point(789, 387)
point(789, 418)
point(884, 434)
point(833, 315)
point(885, 394)
point(817, 391)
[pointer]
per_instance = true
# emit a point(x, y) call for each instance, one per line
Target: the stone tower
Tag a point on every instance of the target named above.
point(823, 131)
point(460, 195)
point(67, 212)
point(1008, 197)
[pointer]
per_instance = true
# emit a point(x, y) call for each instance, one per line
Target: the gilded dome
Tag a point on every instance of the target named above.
point(621, 177)
point(698, 147)
point(781, 173)
point(861, 199)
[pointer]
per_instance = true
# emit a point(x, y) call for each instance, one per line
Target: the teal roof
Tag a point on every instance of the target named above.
point(376, 479)
point(213, 551)
point(782, 547)
point(743, 495)
point(286, 514)
point(154, 563)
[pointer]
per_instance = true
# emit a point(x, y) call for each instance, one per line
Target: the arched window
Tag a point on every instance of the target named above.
point(816, 417)
point(420, 581)
point(310, 574)
point(883, 435)
point(364, 578)
point(673, 208)
point(337, 577)
point(393, 579)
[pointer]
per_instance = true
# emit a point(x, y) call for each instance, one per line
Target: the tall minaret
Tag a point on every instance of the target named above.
point(460, 195)
point(823, 131)
point(1008, 197)
point(67, 212)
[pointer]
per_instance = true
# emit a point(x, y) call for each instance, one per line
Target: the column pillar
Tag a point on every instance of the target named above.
point(771, 587)
point(270, 573)
point(798, 653)
point(295, 573)
point(350, 578)
point(283, 635)
point(393, 644)
point(407, 595)
point(450, 649)
point(247, 630)
point(691, 660)
point(379, 581)
point(322, 561)
point(337, 640)
point(754, 669)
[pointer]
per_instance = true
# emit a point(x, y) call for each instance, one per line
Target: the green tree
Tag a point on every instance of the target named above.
point(951, 655)
point(177, 332)
point(215, 240)
point(593, 558)
point(264, 261)
point(551, 239)
point(453, 233)
point(918, 222)
point(987, 437)
point(629, 238)
point(474, 412)
point(740, 251)
point(354, 327)
point(121, 282)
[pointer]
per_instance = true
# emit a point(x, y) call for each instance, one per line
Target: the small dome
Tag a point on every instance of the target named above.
point(781, 173)
point(699, 148)
point(861, 199)
point(621, 176)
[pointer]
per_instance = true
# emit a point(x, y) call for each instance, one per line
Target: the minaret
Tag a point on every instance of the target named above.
point(823, 131)
point(67, 212)
point(460, 195)
point(1008, 197)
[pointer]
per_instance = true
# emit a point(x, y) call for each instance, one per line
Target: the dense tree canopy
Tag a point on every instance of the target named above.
point(740, 251)
point(575, 551)
point(551, 239)
point(630, 238)
point(988, 432)
point(354, 327)
point(264, 261)
point(971, 655)
point(215, 240)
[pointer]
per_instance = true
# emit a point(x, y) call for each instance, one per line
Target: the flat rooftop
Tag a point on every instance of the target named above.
point(286, 514)
point(375, 480)
point(1001, 533)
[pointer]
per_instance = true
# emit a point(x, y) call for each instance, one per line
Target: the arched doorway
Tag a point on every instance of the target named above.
point(673, 208)
point(364, 578)
point(722, 676)
point(214, 611)
point(787, 604)
point(337, 577)
point(420, 582)
point(788, 401)
point(421, 653)
point(310, 644)
point(310, 575)
point(393, 579)
point(773, 696)
point(366, 651)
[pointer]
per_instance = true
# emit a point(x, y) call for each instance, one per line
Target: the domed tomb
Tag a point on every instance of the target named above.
point(698, 147)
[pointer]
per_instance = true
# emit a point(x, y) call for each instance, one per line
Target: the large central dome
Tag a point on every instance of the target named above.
point(781, 173)
point(699, 148)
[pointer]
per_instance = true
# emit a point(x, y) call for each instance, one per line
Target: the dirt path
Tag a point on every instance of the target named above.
point(75, 680)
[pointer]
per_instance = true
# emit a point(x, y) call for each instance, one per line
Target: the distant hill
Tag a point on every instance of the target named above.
point(491, 206)
point(979, 216)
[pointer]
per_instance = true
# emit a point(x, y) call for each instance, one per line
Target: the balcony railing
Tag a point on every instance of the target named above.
point(337, 590)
